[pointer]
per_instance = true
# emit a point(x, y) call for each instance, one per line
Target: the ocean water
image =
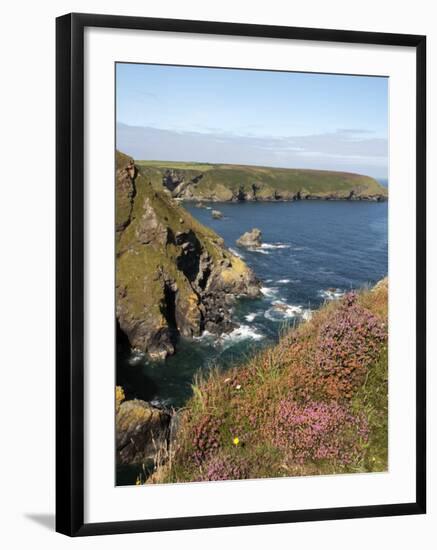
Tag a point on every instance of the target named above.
point(312, 251)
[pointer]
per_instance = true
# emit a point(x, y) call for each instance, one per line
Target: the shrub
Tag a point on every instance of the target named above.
point(221, 468)
point(315, 403)
point(348, 342)
point(319, 431)
point(205, 438)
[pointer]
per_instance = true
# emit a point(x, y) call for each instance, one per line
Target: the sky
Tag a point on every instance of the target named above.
point(236, 116)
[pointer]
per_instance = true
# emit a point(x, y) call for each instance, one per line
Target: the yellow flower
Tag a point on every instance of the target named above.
point(235, 441)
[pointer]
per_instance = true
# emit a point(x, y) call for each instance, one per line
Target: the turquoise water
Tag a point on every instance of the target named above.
point(313, 251)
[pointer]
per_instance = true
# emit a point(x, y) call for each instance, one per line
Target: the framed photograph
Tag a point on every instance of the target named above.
point(240, 274)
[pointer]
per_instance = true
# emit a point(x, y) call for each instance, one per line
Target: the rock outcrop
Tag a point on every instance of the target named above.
point(142, 431)
point(174, 276)
point(250, 239)
point(216, 214)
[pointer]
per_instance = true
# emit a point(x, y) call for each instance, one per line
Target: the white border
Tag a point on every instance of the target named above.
point(103, 501)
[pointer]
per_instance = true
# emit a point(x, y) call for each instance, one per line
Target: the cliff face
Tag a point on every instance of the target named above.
point(225, 182)
point(174, 276)
point(142, 431)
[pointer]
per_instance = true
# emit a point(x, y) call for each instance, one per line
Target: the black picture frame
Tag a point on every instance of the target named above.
point(70, 273)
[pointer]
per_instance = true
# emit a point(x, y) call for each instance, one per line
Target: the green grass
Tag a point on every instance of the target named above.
point(372, 398)
point(175, 165)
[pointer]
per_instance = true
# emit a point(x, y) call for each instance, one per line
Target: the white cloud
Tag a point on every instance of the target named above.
point(346, 149)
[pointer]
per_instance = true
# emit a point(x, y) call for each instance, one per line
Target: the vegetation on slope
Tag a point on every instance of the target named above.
point(225, 182)
point(174, 275)
point(316, 403)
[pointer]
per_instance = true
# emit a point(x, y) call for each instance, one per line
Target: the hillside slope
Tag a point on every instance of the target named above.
point(316, 403)
point(226, 182)
point(174, 277)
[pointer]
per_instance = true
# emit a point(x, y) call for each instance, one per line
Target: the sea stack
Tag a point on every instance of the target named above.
point(251, 239)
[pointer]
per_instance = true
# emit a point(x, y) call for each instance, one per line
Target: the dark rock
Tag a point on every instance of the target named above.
point(142, 432)
point(148, 228)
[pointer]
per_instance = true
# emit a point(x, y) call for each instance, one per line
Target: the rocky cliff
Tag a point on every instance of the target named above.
point(225, 182)
point(142, 431)
point(174, 276)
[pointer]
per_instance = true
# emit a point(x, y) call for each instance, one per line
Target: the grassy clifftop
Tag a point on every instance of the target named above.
point(316, 403)
point(225, 182)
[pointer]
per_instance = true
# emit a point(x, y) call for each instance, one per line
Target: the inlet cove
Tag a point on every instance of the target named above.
point(251, 318)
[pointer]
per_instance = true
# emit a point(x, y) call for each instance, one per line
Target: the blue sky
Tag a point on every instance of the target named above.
point(334, 122)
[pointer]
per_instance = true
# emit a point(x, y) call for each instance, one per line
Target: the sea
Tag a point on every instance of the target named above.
point(312, 252)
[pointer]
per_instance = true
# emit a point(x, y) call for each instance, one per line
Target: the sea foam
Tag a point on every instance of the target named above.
point(332, 293)
point(243, 332)
point(281, 311)
point(136, 357)
point(269, 292)
point(250, 317)
point(274, 246)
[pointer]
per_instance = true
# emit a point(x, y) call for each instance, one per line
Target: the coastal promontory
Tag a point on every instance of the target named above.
point(175, 278)
point(237, 183)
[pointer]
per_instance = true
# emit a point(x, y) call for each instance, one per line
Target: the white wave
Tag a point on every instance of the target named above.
point(250, 317)
point(243, 332)
point(274, 246)
point(259, 250)
point(332, 293)
point(284, 281)
point(208, 207)
point(235, 253)
point(269, 291)
point(269, 280)
point(281, 310)
point(136, 356)
point(204, 336)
